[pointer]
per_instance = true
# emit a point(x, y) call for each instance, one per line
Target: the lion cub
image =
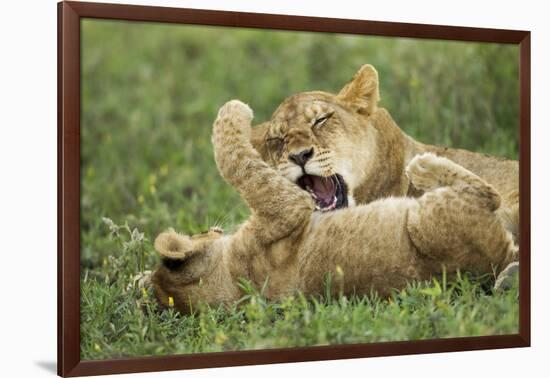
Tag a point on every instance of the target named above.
point(287, 243)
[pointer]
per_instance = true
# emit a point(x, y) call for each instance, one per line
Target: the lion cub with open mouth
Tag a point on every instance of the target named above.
point(378, 246)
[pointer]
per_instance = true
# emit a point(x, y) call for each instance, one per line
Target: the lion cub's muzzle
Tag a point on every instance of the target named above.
point(318, 177)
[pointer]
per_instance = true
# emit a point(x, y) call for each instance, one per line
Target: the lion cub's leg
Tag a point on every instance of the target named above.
point(455, 223)
point(278, 205)
point(428, 172)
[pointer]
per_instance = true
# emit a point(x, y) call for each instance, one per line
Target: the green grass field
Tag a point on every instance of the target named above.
point(150, 93)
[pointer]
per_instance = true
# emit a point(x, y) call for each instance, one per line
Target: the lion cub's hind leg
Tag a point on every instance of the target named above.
point(428, 172)
point(455, 223)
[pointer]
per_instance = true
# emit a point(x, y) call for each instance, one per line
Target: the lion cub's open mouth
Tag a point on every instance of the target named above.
point(329, 193)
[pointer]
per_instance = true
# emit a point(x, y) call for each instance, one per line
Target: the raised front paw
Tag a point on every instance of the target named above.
point(234, 121)
point(428, 171)
point(234, 110)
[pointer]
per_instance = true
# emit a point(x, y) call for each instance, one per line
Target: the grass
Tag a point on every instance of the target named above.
point(118, 319)
point(149, 95)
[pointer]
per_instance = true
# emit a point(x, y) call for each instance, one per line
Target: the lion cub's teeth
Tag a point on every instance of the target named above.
point(310, 191)
point(332, 206)
point(317, 207)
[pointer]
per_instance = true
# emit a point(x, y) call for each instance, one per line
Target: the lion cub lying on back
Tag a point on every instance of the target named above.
point(378, 246)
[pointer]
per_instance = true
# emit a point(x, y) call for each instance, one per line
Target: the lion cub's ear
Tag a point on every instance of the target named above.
point(174, 248)
point(362, 91)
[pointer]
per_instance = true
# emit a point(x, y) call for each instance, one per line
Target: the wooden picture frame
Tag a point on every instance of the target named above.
point(70, 15)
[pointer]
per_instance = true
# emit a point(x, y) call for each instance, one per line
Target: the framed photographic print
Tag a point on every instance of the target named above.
point(240, 188)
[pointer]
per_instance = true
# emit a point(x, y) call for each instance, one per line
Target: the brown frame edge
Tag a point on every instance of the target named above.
point(69, 15)
point(68, 175)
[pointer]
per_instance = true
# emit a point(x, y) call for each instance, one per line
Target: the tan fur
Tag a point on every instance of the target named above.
point(378, 246)
point(363, 143)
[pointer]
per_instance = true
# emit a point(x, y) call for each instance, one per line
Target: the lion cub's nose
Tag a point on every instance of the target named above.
point(301, 157)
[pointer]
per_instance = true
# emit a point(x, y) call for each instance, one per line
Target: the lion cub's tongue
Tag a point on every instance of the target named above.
point(323, 188)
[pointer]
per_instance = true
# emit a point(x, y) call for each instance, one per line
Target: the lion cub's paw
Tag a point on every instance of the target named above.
point(505, 279)
point(428, 171)
point(236, 109)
